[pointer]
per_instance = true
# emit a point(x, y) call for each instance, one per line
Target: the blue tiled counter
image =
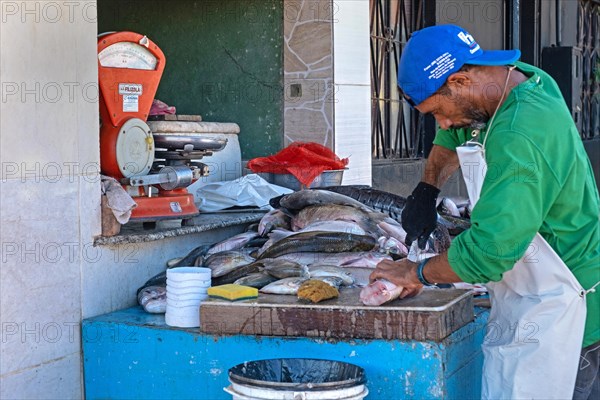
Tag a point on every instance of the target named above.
point(133, 355)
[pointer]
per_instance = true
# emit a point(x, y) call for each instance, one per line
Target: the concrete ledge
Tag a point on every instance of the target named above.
point(135, 233)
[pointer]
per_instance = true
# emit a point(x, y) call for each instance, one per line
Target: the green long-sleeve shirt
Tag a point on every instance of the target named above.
point(539, 179)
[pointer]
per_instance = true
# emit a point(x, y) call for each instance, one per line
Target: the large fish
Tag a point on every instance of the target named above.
point(334, 212)
point(320, 242)
point(272, 220)
point(314, 197)
point(367, 259)
point(379, 292)
point(393, 204)
point(385, 202)
point(274, 237)
point(232, 243)
point(226, 261)
point(323, 226)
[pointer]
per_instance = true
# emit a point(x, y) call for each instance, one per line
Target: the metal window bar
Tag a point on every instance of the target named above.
point(397, 130)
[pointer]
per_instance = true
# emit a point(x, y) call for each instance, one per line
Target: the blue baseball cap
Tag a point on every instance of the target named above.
point(434, 53)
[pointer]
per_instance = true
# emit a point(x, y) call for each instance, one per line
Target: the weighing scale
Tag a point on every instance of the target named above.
point(154, 169)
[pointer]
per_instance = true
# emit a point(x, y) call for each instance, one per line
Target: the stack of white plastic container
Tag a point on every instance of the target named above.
point(187, 287)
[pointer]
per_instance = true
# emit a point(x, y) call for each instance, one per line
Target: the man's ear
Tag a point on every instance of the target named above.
point(459, 79)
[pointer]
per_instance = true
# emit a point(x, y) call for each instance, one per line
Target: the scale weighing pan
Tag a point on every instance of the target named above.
point(175, 141)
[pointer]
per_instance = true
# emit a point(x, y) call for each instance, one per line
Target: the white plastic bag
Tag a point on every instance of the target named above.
point(250, 190)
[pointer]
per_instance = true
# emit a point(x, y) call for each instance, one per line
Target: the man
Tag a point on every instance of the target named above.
point(538, 180)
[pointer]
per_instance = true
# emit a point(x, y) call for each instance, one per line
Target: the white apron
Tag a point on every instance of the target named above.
point(536, 323)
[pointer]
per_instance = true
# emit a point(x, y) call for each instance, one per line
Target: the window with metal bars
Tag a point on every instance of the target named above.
point(397, 130)
point(588, 40)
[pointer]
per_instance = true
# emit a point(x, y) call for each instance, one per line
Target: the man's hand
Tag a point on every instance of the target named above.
point(400, 273)
point(419, 217)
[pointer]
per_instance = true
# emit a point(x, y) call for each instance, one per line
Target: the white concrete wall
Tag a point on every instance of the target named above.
point(352, 110)
point(49, 191)
point(51, 276)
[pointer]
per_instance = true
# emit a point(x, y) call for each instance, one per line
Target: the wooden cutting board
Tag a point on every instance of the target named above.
point(432, 315)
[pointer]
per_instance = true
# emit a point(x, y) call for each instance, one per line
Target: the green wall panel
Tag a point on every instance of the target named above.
point(224, 60)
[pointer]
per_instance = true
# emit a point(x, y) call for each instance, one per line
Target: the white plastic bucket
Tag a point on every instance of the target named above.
point(186, 274)
point(198, 294)
point(183, 317)
point(187, 287)
point(245, 392)
point(182, 321)
point(309, 379)
point(186, 303)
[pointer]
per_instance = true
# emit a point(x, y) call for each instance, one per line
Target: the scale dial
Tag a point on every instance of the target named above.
point(127, 55)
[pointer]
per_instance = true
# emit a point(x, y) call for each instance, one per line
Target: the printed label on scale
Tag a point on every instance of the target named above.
point(131, 93)
point(130, 88)
point(176, 207)
point(130, 103)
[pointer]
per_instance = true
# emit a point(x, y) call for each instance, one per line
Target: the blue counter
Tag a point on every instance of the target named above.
point(133, 355)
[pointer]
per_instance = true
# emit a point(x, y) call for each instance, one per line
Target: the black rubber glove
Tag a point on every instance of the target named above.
point(419, 217)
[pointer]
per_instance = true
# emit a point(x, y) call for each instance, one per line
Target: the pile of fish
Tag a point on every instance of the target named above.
point(335, 234)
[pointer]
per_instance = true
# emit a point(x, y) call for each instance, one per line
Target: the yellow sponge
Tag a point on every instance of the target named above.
point(232, 292)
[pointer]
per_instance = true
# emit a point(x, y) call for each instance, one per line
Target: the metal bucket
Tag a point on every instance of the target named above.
point(326, 178)
point(296, 379)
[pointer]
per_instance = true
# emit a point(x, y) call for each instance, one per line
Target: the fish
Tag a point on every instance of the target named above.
point(379, 200)
point(284, 286)
point(455, 225)
point(235, 273)
point(335, 226)
point(191, 257)
point(334, 212)
point(257, 242)
point(256, 280)
point(174, 261)
point(323, 226)
point(448, 207)
point(159, 279)
point(392, 205)
point(280, 269)
point(153, 299)
point(368, 259)
point(379, 292)
point(252, 227)
point(440, 239)
point(393, 246)
point(321, 270)
point(333, 281)
point(314, 197)
point(156, 306)
point(318, 241)
point(226, 261)
point(274, 237)
point(360, 274)
point(272, 220)
point(392, 228)
point(232, 243)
